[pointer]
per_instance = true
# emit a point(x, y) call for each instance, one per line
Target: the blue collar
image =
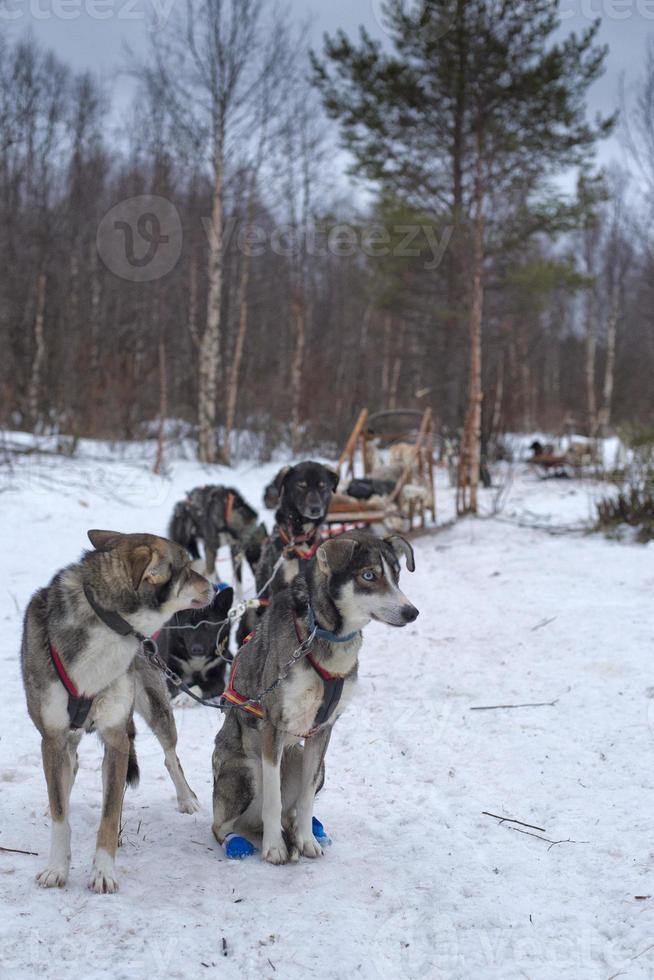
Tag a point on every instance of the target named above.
point(322, 634)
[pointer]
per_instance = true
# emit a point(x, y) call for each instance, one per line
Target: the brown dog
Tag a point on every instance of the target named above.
point(80, 637)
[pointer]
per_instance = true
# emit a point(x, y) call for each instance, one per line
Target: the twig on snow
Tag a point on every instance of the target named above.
point(543, 622)
point(17, 850)
point(552, 843)
point(632, 958)
point(533, 704)
point(486, 813)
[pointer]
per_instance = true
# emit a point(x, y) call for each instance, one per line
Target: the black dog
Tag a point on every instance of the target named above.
point(305, 492)
point(218, 515)
point(199, 654)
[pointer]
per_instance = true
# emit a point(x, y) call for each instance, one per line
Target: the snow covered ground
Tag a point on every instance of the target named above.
point(419, 883)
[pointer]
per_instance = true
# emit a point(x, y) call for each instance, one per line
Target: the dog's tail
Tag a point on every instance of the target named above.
point(133, 774)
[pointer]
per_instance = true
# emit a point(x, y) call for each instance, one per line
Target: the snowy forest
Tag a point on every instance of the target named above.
point(287, 296)
point(253, 286)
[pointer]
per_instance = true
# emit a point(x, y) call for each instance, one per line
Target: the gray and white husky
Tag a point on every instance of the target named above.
point(80, 638)
point(265, 782)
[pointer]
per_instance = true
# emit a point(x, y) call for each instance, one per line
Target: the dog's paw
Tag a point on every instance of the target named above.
point(275, 853)
point(305, 847)
point(103, 883)
point(310, 848)
point(189, 804)
point(52, 877)
point(103, 880)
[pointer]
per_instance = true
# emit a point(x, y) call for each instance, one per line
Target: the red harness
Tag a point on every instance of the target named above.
point(78, 705)
point(292, 541)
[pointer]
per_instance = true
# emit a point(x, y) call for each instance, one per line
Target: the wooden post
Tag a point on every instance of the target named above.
point(350, 445)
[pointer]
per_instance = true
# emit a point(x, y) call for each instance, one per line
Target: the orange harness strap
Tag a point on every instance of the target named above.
point(231, 694)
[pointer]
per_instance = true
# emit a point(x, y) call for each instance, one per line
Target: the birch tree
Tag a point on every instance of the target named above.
point(208, 65)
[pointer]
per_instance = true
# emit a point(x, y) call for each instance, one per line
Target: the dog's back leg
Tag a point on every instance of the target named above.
point(237, 567)
point(153, 704)
point(210, 552)
point(59, 769)
point(236, 795)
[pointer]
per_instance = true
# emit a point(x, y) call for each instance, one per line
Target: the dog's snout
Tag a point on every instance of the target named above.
point(409, 613)
point(313, 505)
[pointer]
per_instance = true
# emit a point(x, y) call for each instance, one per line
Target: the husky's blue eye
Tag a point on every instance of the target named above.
point(368, 576)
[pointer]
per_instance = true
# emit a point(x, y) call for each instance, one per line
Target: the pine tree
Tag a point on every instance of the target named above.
point(474, 111)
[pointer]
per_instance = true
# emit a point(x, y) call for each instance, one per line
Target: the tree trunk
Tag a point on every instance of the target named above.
point(94, 347)
point(397, 367)
point(604, 418)
point(239, 347)
point(193, 302)
point(499, 398)
point(591, 348)
point(163, 406)
point(38, 360)
point(526, 383)
point(299, 317)
point(470, 460)
point(386, 359)
point(209, 368)
point(451, 378)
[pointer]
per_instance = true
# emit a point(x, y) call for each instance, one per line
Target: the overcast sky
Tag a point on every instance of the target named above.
point(73, 29)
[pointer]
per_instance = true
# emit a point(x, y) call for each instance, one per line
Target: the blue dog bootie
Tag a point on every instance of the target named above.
point(320, 833)
point(237, 848)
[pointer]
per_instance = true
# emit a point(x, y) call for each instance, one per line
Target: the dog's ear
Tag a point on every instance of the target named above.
point(148, 565)
point(281, 476)
point(222, 603)
point(105, 540)
point(401, 546)
point(333, 478)
point(335, 554)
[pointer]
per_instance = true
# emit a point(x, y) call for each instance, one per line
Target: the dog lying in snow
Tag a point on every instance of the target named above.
point(264, 781)
point(194, 645)
point(80, 638)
